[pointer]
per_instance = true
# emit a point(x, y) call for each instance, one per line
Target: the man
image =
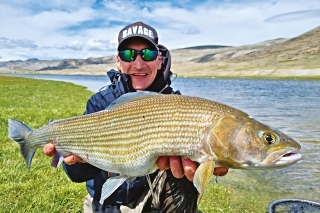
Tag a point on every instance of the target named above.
point(143, 64)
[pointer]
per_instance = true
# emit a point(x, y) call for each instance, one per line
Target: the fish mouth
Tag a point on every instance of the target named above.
point(288, 159)
point(279, 159)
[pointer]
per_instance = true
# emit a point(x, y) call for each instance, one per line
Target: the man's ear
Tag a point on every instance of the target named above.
point(118, 64)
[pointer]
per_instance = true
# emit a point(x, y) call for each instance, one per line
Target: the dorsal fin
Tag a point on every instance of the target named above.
point(132, 96)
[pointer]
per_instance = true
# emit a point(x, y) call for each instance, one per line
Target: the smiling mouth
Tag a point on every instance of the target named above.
point(139, 74)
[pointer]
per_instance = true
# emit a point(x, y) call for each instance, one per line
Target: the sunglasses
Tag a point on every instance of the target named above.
point(130, 55)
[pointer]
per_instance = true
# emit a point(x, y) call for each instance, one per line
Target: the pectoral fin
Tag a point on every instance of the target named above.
point(202, 176)
point(110, 186)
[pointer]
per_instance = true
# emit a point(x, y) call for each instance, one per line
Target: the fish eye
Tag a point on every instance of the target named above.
point(269, 138)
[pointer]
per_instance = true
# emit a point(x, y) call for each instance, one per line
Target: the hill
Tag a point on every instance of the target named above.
point(307, 44)
point(297, 56)
point(30, 64)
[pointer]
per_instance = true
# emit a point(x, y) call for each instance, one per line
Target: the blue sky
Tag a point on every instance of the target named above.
point(89, 28)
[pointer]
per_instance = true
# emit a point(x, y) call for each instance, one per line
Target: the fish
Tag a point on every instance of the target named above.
point(128, 137)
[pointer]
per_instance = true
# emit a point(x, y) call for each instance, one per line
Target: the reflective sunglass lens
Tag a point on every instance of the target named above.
point(149, 55)
point(127, 55)
point(130, 55)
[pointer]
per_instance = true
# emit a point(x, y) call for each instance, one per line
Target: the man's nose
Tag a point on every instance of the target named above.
point(139, 63)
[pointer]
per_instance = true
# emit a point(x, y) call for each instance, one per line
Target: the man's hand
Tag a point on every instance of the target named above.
point(184, 166)
point(49, 150)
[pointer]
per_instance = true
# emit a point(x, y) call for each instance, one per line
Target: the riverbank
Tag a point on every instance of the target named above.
point(185, 72)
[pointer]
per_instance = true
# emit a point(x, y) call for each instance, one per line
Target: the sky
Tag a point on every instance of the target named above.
point(60, 29)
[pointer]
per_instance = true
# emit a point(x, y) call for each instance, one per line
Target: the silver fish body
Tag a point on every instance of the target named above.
point(129, 136)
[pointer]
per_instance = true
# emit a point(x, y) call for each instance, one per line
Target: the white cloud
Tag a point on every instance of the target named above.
point(37, 5)
point(233, 23)
point(76, 29)
point(73, 45)
point(100, 45)
point(192, 30)
point(295, 16)
point(6, 43)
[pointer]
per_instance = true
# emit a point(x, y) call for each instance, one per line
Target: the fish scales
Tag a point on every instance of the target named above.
point(149, 131)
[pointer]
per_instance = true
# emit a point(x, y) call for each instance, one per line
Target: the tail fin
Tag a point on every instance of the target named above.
point(18, 132)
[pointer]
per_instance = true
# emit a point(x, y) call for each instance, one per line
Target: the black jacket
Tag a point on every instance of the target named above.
point(95, 177)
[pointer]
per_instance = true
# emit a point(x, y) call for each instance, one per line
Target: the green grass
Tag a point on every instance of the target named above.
point(45, 189)
point(234, 194)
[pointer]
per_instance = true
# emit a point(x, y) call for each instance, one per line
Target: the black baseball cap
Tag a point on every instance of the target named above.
point(138, 29)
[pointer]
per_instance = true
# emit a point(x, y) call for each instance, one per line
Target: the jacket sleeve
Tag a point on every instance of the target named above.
point(80, 172)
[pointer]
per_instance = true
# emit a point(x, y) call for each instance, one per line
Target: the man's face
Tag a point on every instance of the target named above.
point(142, 73)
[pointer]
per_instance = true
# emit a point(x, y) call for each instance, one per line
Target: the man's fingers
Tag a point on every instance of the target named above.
point(220, 171)
point(163, 162)
point(176, 166)
point(49, 149)
point(189, 167)
point(72, 159)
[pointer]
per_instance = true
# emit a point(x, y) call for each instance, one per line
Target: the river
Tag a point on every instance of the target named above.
point(292, 106)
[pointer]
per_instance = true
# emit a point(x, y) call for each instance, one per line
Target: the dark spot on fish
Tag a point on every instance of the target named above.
point(87, 156)
point(56, 141)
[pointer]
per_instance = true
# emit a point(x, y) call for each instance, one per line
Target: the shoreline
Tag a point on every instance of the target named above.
point(292, 74)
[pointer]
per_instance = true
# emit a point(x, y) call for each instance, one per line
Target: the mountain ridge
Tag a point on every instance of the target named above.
point(301, 52)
